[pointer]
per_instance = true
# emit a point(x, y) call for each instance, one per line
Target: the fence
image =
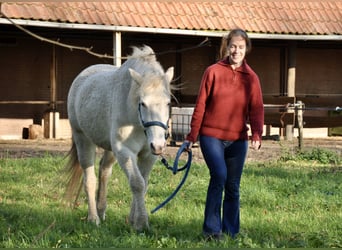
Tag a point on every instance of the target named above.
point(279, 112)
point(180, 123)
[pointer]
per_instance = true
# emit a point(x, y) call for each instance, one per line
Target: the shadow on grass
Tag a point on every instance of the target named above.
point(36, 226)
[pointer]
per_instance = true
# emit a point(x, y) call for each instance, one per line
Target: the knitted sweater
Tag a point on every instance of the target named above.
point(227, 100)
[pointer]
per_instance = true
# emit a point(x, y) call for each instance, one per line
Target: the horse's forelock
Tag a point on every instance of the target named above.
point(144, 61)
point(154, 84)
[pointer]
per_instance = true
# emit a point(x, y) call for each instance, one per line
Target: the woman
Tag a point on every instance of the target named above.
point(229, 97)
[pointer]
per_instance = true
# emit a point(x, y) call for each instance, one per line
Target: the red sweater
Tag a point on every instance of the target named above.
point(228, 99)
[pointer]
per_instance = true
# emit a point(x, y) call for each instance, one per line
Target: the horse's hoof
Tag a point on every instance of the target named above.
point(141, 227)
point(103, 217)
point(94, 219)
point(102, 214)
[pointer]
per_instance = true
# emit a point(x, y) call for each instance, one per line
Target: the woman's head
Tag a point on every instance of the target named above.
point(235, 45)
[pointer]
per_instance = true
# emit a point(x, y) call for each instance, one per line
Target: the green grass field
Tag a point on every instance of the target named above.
point(295, 202)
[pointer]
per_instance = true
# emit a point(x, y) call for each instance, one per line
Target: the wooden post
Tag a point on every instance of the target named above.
point(53, 85)
point(299, 115)
point(117, 48)
point(268, 130)
point(51, 119)
point(291, 82)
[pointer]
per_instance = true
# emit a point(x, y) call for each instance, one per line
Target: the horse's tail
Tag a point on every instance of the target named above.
point(74, 174)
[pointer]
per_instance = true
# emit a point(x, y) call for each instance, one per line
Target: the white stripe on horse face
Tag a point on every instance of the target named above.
point(156, 139)
point(156, 113)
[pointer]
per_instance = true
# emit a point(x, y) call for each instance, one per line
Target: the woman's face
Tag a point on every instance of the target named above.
point(236, 50)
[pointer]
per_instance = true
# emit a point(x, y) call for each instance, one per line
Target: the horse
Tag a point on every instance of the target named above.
point(125, 111)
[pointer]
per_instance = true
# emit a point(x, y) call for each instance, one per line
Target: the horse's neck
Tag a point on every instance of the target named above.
point(129, 100)
point(133, 97)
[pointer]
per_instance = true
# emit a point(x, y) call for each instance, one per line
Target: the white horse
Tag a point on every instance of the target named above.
point(125, 111)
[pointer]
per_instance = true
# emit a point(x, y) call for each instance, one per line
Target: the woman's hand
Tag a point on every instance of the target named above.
point(256, 145)
point(189, 145)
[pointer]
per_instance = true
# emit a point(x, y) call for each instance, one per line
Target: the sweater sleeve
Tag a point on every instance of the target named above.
point(199, 110)
point(256, 110)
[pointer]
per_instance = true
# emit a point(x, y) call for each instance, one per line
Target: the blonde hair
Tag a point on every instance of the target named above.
point(223, 53)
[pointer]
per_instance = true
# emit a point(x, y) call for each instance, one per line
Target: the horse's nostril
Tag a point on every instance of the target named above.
point(156, 150)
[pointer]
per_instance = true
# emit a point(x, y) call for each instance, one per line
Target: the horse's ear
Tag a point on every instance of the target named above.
point(169, 74)
point(136, 76)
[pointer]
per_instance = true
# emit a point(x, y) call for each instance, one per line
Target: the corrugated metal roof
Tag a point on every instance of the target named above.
point(287, 17)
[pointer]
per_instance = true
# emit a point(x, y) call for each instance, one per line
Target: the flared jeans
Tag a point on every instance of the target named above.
point(225, 160)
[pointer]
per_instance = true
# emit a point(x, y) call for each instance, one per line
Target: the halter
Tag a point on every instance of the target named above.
point(151, 123)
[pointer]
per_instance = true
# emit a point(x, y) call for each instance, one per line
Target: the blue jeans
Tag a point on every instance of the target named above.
point(225, 160)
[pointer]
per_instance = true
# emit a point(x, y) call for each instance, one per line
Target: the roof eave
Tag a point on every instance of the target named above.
point(207, 33)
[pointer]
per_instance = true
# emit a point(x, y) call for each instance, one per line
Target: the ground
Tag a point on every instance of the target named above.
point(271, 148)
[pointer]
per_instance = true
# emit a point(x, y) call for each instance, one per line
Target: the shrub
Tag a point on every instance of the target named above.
point(321, 155)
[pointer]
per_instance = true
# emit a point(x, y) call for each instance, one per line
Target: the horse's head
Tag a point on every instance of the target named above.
point(154, 97)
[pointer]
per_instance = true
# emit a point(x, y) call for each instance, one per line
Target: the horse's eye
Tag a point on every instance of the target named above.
point(143, 104)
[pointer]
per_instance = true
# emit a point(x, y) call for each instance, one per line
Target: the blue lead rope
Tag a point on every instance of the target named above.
point(175, 169)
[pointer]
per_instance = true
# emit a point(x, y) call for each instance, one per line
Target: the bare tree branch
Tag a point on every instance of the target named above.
point(71, 47)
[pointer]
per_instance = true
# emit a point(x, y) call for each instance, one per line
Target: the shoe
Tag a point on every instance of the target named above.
point(213, 237)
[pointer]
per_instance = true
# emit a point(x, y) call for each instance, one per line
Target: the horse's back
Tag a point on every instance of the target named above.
point(90, 78)
point(88, 99)
point(90, 72)
point(97, 68)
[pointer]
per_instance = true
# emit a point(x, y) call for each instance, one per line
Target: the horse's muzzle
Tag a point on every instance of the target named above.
point(157, 150)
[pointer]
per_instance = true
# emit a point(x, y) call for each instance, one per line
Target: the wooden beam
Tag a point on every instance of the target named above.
point(117, 48)
point(31, 102)
point(291, 81)
point(291, 69)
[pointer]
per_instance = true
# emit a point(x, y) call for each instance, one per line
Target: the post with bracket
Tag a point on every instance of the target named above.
point(299, 108)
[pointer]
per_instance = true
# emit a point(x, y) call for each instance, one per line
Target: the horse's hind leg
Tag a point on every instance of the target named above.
point(105, 172)
point(86, 154)
point(89, 182)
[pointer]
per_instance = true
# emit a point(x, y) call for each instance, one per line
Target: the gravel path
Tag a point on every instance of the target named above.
point(271, 149)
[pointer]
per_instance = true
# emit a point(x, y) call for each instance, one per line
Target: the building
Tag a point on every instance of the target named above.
point(297, 48)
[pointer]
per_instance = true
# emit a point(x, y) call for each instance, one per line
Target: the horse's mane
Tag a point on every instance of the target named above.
point(143, 59)
point(144, 53)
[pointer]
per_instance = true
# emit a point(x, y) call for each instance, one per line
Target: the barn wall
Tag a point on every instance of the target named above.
point(25, 70)
point(319, 86)
point(193, 64)
point(319, 72)
point(25, 76)
point(71, 63)
point(266, 62)
point(25, 67)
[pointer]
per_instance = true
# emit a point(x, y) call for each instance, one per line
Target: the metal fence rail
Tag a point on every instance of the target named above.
point(180, 123)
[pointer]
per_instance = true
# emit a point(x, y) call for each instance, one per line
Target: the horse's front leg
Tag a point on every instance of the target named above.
point(138, 215)
point(145, 163)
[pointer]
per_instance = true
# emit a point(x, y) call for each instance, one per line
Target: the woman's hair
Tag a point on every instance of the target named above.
point(226, 40)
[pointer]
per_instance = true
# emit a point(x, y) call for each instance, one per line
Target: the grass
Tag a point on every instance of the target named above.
point(295, 202)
